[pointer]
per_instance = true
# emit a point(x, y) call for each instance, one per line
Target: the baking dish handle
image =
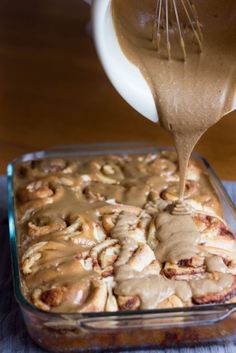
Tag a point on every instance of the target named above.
point(157, 321)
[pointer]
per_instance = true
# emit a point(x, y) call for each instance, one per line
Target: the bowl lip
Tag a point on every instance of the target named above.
point(89, 150)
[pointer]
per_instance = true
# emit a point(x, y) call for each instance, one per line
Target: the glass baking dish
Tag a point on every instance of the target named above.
point(89, 332)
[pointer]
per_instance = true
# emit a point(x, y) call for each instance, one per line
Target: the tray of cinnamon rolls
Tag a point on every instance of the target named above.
point(99, 234)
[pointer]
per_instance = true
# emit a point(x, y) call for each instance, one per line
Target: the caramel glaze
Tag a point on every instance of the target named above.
point(211, 285)
point(178, 237)
point(94, 233)
point(190, 95)
point(154, 289)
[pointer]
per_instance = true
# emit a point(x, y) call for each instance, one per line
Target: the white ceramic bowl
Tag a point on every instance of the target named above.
point(125, 76)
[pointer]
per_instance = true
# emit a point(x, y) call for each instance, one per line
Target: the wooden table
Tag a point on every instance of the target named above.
point(54, 91)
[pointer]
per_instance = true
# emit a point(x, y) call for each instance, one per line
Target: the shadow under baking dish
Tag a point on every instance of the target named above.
point(88, 332)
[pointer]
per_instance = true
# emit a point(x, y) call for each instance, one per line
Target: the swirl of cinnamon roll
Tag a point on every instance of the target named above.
point(162, 166)
point(217, 242)
point(153, 165)
point(85, 295)
point(185, 269)
point(48, 186)
point(53, 260)
point(172, 191)
point(130, 221)
point(104, 255)
point(80, 229)
point(43, 225)
point(47, 190)
point(211, 225)
point(106, 171)
point(52, 166)
point(37, 194)
point(76, 228)
point(36, 190)
point(97, 191)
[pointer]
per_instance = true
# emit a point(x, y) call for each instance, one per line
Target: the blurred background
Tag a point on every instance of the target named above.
point(53, 89)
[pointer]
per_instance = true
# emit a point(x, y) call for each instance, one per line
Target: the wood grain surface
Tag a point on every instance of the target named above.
point(53, 89)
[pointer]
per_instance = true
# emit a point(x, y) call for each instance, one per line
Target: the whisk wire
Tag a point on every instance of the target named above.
point(156, 37)
point(180, 31)
point(195, 15)
point(192, 25)
point(167, 31)
point(167, 17)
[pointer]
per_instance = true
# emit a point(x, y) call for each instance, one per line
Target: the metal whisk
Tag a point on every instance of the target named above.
point(176, 15)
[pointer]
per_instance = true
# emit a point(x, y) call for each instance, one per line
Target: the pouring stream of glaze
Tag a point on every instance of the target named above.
point(190, 95)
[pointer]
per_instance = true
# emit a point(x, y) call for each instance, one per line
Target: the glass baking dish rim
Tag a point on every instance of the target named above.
point(99, 149)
